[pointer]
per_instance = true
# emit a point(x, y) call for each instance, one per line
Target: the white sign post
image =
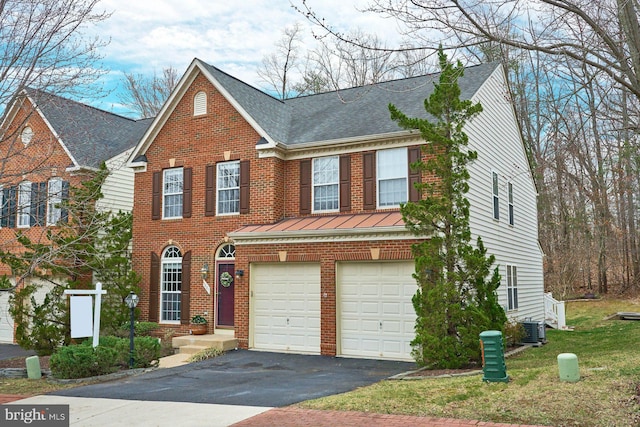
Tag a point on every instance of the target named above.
point(81, 317)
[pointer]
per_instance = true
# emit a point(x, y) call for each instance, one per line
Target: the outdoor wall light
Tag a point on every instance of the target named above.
point(239, 273)
point(204, 270)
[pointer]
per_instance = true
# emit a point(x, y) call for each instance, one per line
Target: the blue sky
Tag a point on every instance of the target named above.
point(148, 35)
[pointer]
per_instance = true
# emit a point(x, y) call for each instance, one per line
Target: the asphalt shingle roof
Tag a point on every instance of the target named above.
point(348, 113)
point(91, 135)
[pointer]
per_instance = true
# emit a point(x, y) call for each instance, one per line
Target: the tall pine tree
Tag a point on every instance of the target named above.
point(455, 300)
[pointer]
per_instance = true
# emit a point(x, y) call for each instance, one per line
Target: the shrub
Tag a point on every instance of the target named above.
point(141, 329)
point(513, 333)
point(81, 361)
point(146, 352)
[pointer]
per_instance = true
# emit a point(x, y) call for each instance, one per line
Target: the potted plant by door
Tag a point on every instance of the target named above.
point(198, 325)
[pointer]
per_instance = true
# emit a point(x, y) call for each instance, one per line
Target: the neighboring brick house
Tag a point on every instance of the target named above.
point(49, 143)
point(280, 219)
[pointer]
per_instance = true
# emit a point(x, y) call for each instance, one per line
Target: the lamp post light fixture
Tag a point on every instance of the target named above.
point(132, 301)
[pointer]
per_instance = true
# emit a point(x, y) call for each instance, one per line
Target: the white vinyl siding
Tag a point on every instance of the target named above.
point(172, 185)
point(228, 188)
point(392, 170)
point(54, 198)
point(117, 189)
point(171, 285)
point(200, 104)
point(24, 204)
point(326, 178)
point(494, 134)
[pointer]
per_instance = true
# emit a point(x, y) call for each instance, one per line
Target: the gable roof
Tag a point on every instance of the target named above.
point(89, 135)
point(359, 112)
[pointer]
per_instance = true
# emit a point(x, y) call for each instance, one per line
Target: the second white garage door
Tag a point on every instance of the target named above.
point(286, 307)
point(6, 321)
point(376, 315)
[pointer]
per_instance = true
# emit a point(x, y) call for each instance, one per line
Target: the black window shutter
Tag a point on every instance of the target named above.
point(155, 195)
point(64, 212)
point(305, 187)
point(414, 174)
point(154, 288)
point(13, 208)
point(345, 183)
point(210, 191)
point(187, 178)
point(185, 289)
point(369, 184)
point(245, 179)
point(4, 218)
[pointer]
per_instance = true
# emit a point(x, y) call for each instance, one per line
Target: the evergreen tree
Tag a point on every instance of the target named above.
point(454, 301)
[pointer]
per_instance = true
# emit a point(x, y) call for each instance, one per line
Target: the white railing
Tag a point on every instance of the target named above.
point(554, 312)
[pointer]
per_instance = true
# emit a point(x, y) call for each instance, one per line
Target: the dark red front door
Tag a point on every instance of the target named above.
point(226, 282)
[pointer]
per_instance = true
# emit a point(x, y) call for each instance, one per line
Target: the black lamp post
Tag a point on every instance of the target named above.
point(132, 301)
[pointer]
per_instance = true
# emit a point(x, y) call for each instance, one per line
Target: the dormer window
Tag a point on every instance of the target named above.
point(26, 135)
point(200, 104)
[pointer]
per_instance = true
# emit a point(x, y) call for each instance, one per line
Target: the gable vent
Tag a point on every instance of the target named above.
point(200, 104)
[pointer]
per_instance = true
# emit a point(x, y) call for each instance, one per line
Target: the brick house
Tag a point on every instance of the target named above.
point(279, 220)
point(49, 143)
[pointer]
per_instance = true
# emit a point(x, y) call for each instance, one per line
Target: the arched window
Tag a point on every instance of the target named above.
point(171, 285)
point(200, 104)
point(227, 252)
point(26, 135)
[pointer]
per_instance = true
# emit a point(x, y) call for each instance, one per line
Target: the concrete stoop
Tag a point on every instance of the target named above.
point(192, 344)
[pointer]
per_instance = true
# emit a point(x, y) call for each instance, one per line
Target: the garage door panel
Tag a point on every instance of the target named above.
point(6, 321)
point(286, 307)
point(376, 316)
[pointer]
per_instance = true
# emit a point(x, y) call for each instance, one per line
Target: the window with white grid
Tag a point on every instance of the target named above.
point(511, 213)
point(24, 204)
point(228, 181)
point(54, 198)
point(392, 170)
point(326, 178)
point(172, 193)
point(496, 195)
point(171, 285)
point(512, 287)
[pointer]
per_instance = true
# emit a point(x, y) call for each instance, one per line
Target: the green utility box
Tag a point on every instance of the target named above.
point(493, 364)
point(568, 367)
point(33, 368)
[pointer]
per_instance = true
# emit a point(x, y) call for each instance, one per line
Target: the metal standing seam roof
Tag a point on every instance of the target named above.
point(347, 113)
point(91, 135)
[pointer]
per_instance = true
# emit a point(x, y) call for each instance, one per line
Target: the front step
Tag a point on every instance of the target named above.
point(192, 344)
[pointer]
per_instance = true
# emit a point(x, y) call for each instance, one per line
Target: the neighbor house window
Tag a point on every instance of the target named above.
point(24, 204)
point(392, 169)
point(228, 188)
point(172, 187)
point(511, 218)
point(200, 104)
point(496, 198)
point(326, 177)
point(512, 287)
point(3, 209)
point(171, 285)
point(54, 198)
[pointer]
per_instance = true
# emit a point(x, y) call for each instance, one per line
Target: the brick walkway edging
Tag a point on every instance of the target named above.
point(8, 398)
point(294, 417)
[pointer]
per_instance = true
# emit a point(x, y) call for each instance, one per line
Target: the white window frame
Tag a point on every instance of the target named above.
point(171, 290)
point(386, 172)
point(169, 193)
point(26, 136)
point(511, 206)
point(495, 190)
point(200, 104)
point(512, 287)
point(324, 180)
point(224, 189)
point(24, 205)
point(54, 198)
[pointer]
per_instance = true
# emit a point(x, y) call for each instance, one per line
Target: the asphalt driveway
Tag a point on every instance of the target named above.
point(9, 351)
point(245, 377)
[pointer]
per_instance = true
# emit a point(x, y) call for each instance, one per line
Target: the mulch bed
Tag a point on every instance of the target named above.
point(19, 362)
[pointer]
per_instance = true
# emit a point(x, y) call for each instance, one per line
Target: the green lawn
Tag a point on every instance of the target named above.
point(607, 394)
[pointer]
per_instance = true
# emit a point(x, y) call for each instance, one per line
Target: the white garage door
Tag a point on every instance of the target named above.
point(6, 321)
point(376, 315)
point(286, 307)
